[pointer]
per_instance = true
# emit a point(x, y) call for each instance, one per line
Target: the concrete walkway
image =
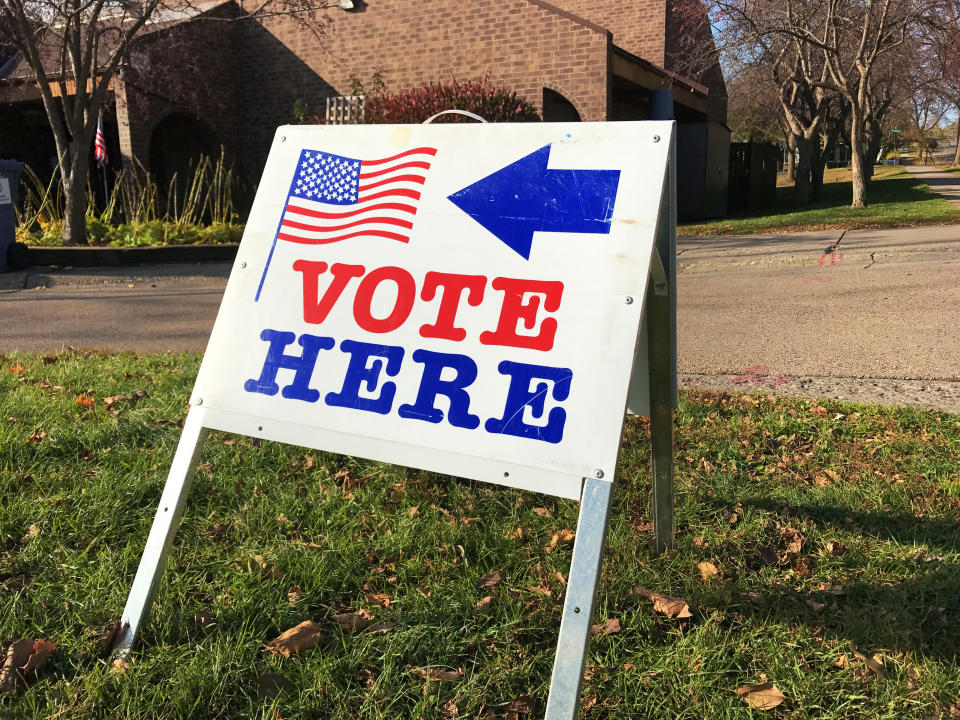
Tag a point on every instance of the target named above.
point(940, 181)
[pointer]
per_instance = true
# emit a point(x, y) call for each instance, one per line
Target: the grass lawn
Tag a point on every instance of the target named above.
point(834, 529)
point(896, 198)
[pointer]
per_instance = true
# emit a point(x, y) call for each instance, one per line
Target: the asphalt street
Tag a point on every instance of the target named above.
point(874, 317)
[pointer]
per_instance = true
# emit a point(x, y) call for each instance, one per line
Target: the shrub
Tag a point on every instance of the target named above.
point(491, 103)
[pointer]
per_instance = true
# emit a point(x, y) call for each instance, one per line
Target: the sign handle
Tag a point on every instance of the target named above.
point(165, 524)
point(575, 625)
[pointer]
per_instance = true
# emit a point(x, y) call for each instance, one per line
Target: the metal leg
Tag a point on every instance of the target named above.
point(661, 415)
point(578, 606)
point(165, 524)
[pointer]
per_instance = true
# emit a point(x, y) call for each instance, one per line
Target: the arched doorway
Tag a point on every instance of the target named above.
point(176, 146)
point(556, 108)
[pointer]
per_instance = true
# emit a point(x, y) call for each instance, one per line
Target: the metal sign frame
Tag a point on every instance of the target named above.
point(657, 342)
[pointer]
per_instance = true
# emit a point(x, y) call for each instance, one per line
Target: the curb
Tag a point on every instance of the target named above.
point(23, 256)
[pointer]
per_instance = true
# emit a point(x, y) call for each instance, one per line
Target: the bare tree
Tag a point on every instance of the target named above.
point(74, 48)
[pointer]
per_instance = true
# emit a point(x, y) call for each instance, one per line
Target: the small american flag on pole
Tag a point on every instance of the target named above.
point(100, 144)
point(335, 198)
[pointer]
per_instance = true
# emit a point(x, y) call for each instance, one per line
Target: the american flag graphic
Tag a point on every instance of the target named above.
point(335, 198)
point(100, 144)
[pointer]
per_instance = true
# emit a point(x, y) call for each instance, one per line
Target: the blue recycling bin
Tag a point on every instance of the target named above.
point(9, 180)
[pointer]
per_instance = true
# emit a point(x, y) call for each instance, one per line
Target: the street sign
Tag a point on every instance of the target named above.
point(465, 299)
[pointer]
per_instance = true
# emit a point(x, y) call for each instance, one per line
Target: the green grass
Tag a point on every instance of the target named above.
point(896, 199)
point(883, 482)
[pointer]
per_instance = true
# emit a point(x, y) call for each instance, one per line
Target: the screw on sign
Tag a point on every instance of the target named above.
point(461, 299)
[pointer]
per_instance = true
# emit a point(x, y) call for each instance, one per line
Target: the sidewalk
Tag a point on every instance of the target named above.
point(940, 181)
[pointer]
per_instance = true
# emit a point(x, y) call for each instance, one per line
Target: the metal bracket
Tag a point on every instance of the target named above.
point(577, 619)
point(164, 528)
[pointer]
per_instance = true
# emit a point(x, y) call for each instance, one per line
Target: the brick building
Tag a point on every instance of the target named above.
point(210, 76)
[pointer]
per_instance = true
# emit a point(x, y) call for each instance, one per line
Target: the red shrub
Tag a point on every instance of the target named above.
point(414, 106)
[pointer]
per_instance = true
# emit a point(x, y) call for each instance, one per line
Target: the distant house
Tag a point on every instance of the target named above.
point(209, 76)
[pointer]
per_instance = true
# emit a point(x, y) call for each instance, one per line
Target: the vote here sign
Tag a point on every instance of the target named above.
point(460, 298)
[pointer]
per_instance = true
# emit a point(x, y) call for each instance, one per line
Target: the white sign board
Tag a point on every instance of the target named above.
point(5, 197)
point(460, 298)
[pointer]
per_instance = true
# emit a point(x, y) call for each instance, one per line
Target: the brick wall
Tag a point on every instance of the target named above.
point(523, 45)
point(638, 26)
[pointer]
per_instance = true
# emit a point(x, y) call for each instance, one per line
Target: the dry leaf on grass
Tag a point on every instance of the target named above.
point(523, 705)
point(912, 676)
point(562, 537)
point(294, 595)
point(817, 607)
point(119, 666)
point(794, 539)
point(764, 696)
point(414, 511)
point(587, 703)
point(16, 369)
point(31, 533)
point(450, 709)
point(37, 436)
point(842, 661)
point(607, 628)
point(24, 657)
point(297, 639)
point(381, 599)
point(489, 580)
point(132, 397)
point(353, 621)
point(437, 674)
point(874, 664)
point(85, 401)
point(486, 605)
point(835, 547)
point(707, 570)
point(668, 605)
point(541, 511)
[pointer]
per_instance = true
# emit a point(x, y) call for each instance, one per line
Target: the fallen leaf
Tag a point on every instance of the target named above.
point(489, 580)
point(37, 436)
point(85, 401)
point(821, 481)
point(450, 709)
point(842, 661)
point(668, 605)
point(274, 573)
point(308, 463)
point(817, 607)
point(629, 667)
point(353, 621)
point(874, 664)
point(794, 539)
point(297, 639)
point(24, 657)
point(523, 705)
point(16, 369)
point(31, 533)
point(764, 696)
point(562, 537)
point(133, 397)
point(819, 410)
point(486, 605)
point(436, 674)
point(912, 676)
point(835, 547)
point(381, 599)
point(707, 570)
point(294, 595)
point(119, 666)
point(413, 512)
point(609, 627)
point(541, 511)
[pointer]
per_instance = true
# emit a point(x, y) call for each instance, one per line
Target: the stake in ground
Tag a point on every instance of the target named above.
point(832, 529)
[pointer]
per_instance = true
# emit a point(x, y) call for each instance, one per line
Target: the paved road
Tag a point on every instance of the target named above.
point(940, 181)
point(875, 320)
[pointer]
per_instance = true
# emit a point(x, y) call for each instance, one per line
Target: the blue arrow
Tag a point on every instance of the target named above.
point(525, 197)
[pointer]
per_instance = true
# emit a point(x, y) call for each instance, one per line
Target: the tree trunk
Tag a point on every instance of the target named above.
point(75, 200)
point(874, 141)
point(956, 154)
point(857, 165)
point(791, 166)
point(816, 175)
point(801, 187)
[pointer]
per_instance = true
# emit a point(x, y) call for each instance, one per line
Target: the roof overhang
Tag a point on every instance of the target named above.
point(646, 74)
